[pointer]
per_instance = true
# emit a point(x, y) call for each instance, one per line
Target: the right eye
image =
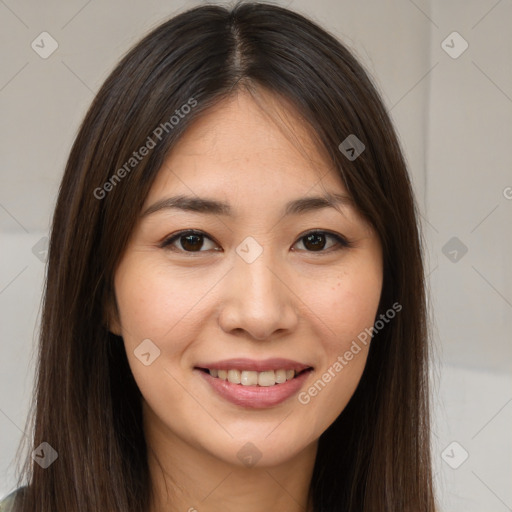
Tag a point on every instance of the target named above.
point(190, 240)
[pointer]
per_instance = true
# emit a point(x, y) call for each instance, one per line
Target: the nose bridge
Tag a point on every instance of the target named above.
point(258, 278)
point(256, 299)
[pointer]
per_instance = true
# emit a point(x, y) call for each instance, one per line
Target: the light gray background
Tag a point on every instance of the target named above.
point(454, 118)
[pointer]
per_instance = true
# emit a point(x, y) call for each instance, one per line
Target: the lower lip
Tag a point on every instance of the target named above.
point(257, 397)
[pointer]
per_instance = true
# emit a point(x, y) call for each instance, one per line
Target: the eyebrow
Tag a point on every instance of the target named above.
point(211, 206)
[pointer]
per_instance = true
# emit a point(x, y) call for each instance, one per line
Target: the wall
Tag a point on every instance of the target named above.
point(452, 113)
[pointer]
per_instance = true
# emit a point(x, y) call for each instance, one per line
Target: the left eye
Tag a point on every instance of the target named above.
point(316, 241)
point(193, 241)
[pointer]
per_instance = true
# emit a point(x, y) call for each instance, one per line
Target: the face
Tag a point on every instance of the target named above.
point(270, 289)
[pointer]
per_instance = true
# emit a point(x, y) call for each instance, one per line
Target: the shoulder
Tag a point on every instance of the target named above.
point(7, 502)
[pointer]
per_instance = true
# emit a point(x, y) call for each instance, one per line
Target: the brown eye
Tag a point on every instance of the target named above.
point(316, 241)
point(186, 241)
point(192, 242)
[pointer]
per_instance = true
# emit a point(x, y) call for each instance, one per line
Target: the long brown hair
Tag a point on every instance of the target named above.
point(376, 455)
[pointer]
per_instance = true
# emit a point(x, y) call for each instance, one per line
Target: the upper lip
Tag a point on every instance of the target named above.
point(255, 365)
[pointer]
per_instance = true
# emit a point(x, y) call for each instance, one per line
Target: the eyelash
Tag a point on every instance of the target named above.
point(342, 242)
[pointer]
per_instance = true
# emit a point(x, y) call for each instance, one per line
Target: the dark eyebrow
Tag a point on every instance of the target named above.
point(211, 206)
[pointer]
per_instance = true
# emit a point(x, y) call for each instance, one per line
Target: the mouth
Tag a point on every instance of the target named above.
point(254, 384)
point(266, 378)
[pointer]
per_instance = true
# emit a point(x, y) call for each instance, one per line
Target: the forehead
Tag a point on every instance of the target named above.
point(247, 143)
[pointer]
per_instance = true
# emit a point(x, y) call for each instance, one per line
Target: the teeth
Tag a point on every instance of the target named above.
point(280, 376)
point(251, 378)
point(267, 378)
point(234, 376)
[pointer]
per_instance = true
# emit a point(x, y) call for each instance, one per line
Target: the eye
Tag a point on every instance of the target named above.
point(190, 241)
point(315, 241)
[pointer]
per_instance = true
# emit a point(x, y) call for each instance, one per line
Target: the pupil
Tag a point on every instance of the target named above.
point(188, 245)
point(316, 240)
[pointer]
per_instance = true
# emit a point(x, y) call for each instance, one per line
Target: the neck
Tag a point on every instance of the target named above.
point(187, 479)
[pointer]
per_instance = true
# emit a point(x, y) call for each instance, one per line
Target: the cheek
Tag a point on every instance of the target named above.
point(354, 306)
point(349, 303)
point(163, 308)
point(347, 309)
point(155, 304)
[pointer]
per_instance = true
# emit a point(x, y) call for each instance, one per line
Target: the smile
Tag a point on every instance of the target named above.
point(254, 384)
point(252, 378)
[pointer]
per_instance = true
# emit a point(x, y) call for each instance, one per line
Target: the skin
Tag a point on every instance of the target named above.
point(292, 302)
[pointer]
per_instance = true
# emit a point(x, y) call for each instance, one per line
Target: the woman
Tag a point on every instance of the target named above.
point(234, 313)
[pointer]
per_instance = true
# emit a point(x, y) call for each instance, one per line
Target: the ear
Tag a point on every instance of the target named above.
point(111, 316)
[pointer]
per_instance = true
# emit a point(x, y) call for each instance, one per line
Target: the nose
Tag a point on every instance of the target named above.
point(258, 300)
